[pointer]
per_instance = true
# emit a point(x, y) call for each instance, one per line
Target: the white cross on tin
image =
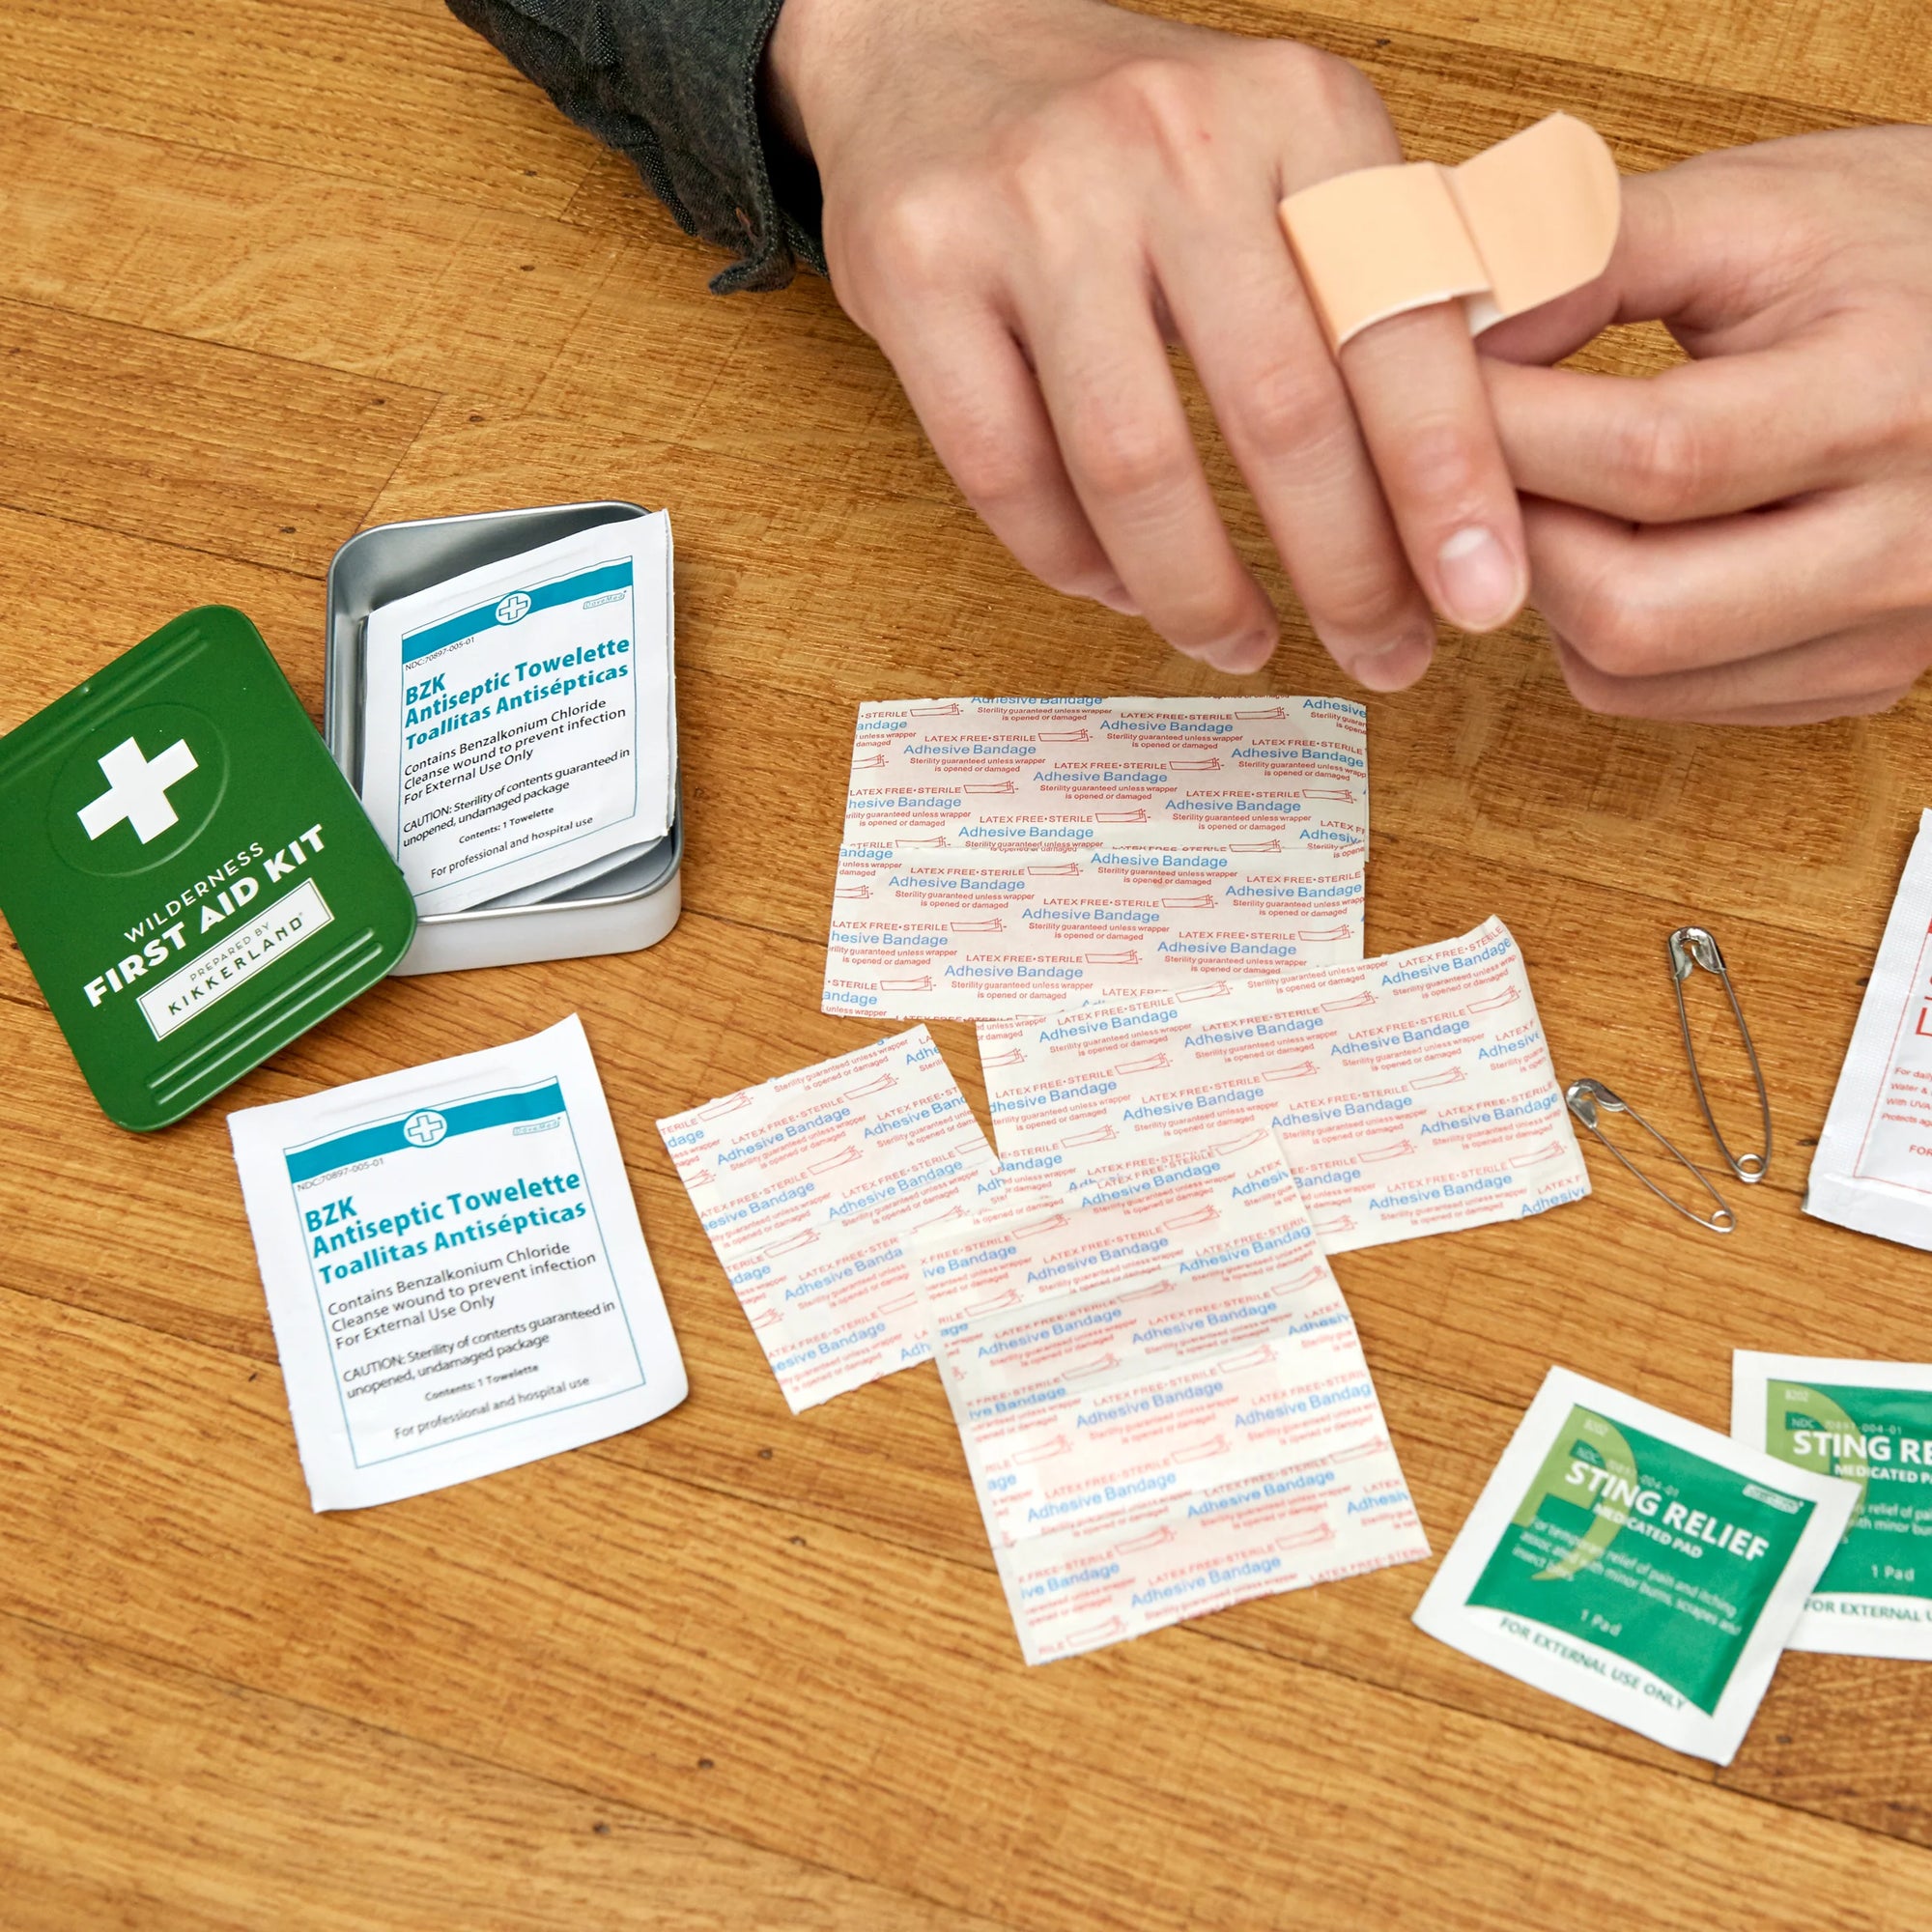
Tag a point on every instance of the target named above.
point(137, 790)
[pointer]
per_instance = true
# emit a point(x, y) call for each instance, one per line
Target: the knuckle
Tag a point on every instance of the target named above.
point(1437, 462)
point(1160, 100)
point(1288, 410)
point(1616, 635)
point(912, 237)
point(993, 469)
point(1127, 459)
point(1208, 614)
point(1666, 461)
point(1036, 168)
point(1364, 607)
point(1336, 88)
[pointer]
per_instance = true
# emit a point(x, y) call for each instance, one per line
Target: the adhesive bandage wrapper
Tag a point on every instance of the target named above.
point(1412, 1094)
point(809, 1186)
point(1162, 1399)
point(1512, 228)
point(1010, 856)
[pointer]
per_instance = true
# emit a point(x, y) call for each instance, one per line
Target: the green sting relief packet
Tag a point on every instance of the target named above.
point(1643, 1567)
point(190, 878)
point(1868, 1424)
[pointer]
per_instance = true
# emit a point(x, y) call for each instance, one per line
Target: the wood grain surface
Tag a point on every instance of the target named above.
point(275, 270)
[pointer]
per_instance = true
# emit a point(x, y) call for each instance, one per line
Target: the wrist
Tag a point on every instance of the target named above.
point(811, 43)
point(831, 64)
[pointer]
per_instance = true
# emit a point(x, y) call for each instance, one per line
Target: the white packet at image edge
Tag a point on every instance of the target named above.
point(318, 1324)
point(1850, 1623)
point(1835, 1191)
point(1591, 1680)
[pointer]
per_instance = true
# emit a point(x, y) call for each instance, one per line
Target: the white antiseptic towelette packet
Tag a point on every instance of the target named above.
point(1643, 1567)
point(1873, 1168)
point(520, 724)
point(1163, 1401)
point(1413, 1093)
point(1271, 775)
point(1870, 1424)
point(454, 1270)
point(973, 935)
point(809, 1186)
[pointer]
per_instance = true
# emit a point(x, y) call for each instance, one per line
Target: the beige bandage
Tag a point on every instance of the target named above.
point(1515, 226)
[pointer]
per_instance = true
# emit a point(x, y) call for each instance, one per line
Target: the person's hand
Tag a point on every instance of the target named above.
point(1748, 538)
point(1026, 200)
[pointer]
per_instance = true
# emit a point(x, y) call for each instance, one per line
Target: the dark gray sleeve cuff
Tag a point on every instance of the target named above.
point(673, 84)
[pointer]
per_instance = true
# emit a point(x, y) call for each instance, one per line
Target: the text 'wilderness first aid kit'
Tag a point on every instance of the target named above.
point(1637, 1564)
point(809, 1187)
point(1412, 1094)
point(189, 875)
point(454, 1270)
point(1010, 856)
point(1868, 1424)
point(520, 724)
point(1873, 1168)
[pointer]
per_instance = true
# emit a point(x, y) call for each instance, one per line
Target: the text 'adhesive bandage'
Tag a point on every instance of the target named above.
point(809, 1187)
point(1162, 1399)
point(1512, 228)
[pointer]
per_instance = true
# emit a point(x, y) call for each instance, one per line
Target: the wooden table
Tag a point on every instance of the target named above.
point(272, 271)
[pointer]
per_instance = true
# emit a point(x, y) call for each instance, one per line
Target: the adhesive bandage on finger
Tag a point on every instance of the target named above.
point(1512, 228)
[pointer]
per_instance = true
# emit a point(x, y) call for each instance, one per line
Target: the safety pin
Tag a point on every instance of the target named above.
point(1586, 1097)
point(1691, 946)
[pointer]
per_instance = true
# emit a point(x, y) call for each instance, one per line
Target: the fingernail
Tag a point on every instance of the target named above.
point(1239, 655)
point(1397, 666)
point(1482, 583)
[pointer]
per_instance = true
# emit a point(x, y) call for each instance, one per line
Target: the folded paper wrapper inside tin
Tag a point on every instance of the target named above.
point(624, 910)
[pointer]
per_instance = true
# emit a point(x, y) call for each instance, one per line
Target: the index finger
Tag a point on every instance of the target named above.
point(1703, 440)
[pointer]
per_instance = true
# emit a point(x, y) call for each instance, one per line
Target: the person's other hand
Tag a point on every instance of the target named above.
point(1748, 538)
point(1026, 200)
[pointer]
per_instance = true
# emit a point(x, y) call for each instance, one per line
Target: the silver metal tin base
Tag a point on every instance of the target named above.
point(623, 911)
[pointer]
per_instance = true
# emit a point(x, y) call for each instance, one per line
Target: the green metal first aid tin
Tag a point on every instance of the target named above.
point(190, 878)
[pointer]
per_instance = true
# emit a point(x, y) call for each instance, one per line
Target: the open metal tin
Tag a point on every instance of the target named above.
point(621, 912)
